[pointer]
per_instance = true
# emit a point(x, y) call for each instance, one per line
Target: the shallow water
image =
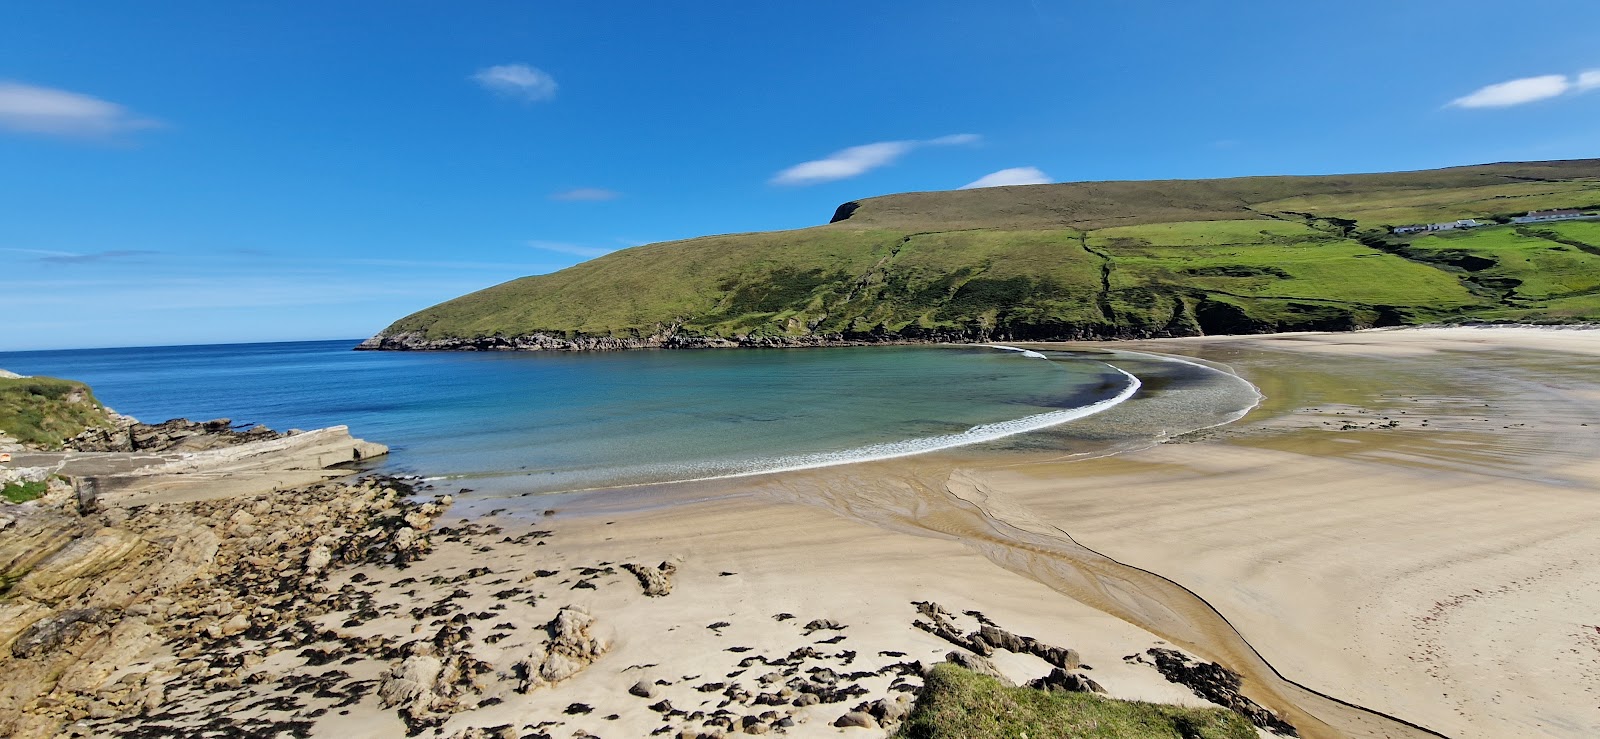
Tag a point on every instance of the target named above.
point(544, 422)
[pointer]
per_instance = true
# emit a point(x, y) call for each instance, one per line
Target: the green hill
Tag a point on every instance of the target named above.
point(1072, 261)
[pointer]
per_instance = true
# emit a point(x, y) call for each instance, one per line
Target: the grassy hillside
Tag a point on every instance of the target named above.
point(45, 411)
point(1076, 260)
point(960, 703)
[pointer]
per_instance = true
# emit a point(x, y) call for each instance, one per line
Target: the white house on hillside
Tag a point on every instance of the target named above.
point(1444, 226)
point(1537, 216)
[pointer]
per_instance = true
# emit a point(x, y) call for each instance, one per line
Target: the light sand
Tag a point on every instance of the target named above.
point(1446, 571)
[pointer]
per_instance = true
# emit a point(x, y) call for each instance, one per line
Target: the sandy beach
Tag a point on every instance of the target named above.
point(1399, 541)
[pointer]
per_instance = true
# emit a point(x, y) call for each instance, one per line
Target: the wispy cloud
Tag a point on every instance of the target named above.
point(99, 256)
point(586, 195)
point(1528, 90)
point(1012, 176)
point(40, 252)
point(52, 112)
point(858, 160)
point(436, 264)
point(68, 257)
point(587, 252)
point(520, 81)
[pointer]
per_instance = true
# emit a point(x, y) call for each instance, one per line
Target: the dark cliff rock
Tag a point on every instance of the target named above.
point(408, 341)
point(178, 434)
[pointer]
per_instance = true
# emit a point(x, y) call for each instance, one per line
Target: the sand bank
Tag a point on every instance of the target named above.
point(1409, 523)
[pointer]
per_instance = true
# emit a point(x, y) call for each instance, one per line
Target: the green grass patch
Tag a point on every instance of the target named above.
point(22, 492)
point(956, 702)
point(1531, 262)
point(1274, 260)
point(45, 411)
point(1396, 207)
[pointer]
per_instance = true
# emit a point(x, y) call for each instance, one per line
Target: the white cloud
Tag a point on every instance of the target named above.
point(31, 109)
point(520, 81)
point(1528, 90)
point(586, 195)
point(843, 164)
point(1013, 176)
point(858, 160)
point(587, 252)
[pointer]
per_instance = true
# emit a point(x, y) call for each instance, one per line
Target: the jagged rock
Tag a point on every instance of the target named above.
point(48, 634)
point(978, 664)
point(1001, 639)
point(571, 647)
point(856, 719)
point(657, 580)
point(176, 435)
point(1217, 684)
point(318, 559)
point(890, 711)
point(823, 624)
point(1068, 682)
point(411, 685)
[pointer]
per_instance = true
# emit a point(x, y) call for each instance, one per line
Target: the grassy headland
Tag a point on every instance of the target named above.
point(45, 411)
point(1075, 260)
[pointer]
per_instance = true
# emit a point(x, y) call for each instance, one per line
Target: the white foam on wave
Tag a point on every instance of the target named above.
point(1236, 415)
point(1017, 349)
point(975, 435)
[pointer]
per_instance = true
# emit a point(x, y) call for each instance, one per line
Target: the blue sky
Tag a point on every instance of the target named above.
point(192, 172)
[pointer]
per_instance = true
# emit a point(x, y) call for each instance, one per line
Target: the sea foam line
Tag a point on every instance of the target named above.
point(1018, 349)
point(909, 447)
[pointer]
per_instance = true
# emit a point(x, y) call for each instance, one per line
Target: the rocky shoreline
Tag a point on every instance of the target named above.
point(408, 341)
point(152, 621)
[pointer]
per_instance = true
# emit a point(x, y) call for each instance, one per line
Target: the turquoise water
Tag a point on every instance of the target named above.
point(562, 421)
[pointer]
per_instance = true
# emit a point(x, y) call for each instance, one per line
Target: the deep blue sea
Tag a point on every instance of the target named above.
point(564, 421)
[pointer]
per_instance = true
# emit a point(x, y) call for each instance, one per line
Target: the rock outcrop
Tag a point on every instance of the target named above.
point(147, 612)
point(990, 637)
point(176, 435)
point(572, 646)
point(1217, 684)
point(656, 580)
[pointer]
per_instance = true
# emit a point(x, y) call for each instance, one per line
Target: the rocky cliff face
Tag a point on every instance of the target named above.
point(416, 341)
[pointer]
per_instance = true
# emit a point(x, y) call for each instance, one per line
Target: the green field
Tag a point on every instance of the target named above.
point(1083, 260)
point(1534, 271)
point(956, 702)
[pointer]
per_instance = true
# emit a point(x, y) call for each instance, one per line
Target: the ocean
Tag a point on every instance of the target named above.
point(547, 422)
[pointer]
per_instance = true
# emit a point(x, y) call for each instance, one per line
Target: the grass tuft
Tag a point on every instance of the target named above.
point(956, 702)
point(24, 491)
